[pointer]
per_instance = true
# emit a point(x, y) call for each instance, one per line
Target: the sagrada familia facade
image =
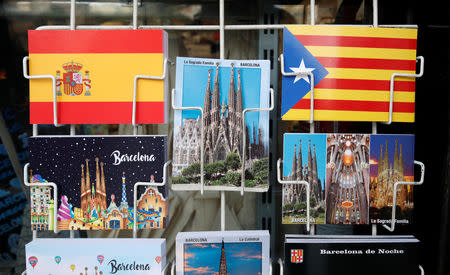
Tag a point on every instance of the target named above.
point(93, 195)
point(222, 127)
point(295, 193)
point(381, 191)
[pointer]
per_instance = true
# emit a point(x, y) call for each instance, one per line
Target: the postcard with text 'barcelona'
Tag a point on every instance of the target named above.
point(232, 144)
point(95, 178)
point(92, 256)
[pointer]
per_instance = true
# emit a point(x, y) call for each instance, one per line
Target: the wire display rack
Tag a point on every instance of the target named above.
point(221, 27)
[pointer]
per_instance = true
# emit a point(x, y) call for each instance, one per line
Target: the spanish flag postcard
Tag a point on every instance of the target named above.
point(95, 71)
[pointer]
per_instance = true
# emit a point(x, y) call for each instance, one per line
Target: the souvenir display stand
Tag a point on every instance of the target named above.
point(200, 187)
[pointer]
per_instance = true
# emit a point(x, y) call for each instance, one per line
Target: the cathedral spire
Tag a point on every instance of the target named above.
point(380, 161)
point(396, 156)
point(300, 161)
point(223, 261)
point(215, 106)
point(294, 164)
point(124, 191)
point(231, 95)
point(207, 101)
point(239, 103)
point(82, 179)
point(97, 175)
point(102, 183)
point(309, 162)
point(88, 177)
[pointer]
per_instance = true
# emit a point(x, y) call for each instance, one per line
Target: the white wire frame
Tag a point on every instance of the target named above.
point(221, 27)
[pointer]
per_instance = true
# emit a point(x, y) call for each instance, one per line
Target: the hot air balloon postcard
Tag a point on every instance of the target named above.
point(95, 178)
point(347, 179)
point(224, 90)
point(391, 161)
point(94, 73)
point(103, 256)
point(304, 160)
point(225, 252)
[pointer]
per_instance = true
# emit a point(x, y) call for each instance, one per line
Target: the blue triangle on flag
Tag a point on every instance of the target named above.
point(294, 52)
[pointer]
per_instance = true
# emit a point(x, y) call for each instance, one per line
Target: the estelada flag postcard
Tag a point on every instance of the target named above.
point(352, 68)
point(95, 178)
point(94, 72)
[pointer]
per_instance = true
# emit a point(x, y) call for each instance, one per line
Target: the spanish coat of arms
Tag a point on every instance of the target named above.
point(73, 80)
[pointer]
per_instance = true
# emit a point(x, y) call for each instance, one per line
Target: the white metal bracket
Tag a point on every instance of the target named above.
point(394, 197)
point(44, 184)
point(391, 87)
point(202, 137)
point(136, 78)
point(311, 75)
point(244, 137)
point(55, 103)
point(137, 184)
point(302, 182)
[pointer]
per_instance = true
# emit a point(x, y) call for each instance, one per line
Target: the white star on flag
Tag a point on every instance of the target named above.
point(302, 72)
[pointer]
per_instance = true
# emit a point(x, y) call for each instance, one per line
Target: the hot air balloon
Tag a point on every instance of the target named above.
point(33, 261)
point(100, 258)
point(57, 259)
point(72, 267)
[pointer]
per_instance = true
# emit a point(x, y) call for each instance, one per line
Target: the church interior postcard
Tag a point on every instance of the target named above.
point(224, 89)
point(304, 158)
point(223, 252)
point(95, 178)
point(96, 256)
point(347, 179)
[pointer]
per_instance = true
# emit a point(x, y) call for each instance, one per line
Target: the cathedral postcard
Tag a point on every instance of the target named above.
point(95, 178)
point(223, 252)
point(347, 179)
point(304, 158)
point(391, 160)
point(118, 256)
point(235, 148)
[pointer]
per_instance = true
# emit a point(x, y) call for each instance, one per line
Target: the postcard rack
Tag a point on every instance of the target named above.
point(221, 27)
point(311, 228)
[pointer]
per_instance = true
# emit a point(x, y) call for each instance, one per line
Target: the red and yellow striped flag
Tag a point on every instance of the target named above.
point(95, 72)
point(352, 67)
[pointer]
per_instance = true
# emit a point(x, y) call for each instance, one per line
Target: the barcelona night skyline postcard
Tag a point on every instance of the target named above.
point(95, 176)
point(95, 72)
point(96, 256)
point(304, 159)
point(391, 160)
point(223, 89)
point(232, 252)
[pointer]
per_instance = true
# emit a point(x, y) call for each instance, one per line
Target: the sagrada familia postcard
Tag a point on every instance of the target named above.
point(304, 160)
point(224, 89)
point(391, 160)
point(96, 256)
point(95, 178)
point(347, 179)
point(223, 252)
